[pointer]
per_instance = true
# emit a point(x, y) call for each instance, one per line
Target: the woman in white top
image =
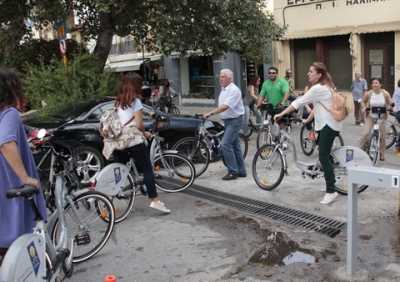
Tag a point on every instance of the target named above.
point(130, 110)
point(377, 97)
point(320, 95)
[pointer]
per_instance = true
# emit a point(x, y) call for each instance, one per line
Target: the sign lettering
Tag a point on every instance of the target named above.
point(319, 2)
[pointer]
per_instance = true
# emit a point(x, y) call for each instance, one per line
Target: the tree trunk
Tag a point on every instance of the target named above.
point(104, 39)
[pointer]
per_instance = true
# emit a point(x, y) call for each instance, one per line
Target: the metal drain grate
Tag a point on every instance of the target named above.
point(306, 220)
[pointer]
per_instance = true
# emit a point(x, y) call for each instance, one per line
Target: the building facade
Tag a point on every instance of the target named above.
point(349, 36)
point(192, 74)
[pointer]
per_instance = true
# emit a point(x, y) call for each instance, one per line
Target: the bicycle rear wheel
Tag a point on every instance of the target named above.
point(90, 222)
point(174, 110)
point(390, 134)
point(307, 139)
point(123, 202)
point(173, 172)
point(268, 167)
point(196, 151)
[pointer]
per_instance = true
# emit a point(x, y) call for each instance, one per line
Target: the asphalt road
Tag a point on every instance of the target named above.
point(203, 241)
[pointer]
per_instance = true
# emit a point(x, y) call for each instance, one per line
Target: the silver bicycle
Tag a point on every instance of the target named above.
point(121, 181)
point(89, 215)
point(270, 163)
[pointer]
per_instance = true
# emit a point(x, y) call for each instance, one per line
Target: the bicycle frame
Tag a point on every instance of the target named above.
point(34, 256)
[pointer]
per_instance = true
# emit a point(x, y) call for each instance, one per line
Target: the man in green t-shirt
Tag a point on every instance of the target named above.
point(274, 90)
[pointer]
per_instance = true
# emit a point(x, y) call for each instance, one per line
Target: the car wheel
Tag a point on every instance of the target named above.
point(89, 161)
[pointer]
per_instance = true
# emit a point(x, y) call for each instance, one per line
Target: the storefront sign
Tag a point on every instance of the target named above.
point(357, 2)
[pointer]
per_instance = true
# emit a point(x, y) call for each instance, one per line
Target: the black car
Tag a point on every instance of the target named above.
point(81, 124)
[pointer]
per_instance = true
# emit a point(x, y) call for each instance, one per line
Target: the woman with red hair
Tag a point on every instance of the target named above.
point(129, 108)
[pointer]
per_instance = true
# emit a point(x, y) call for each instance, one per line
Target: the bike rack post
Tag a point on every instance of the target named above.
point(362, 175)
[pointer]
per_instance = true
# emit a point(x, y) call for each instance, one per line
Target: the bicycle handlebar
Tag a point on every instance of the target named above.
point(26, 192)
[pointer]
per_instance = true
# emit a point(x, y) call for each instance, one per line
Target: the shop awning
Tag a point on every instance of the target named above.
point(116, 64)
point(370, 28)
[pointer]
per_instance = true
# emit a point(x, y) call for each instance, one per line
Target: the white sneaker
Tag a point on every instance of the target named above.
point(361, 124)
point(158, 205)
point(328, 198)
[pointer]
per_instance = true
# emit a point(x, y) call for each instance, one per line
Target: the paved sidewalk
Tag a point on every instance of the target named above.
point(305, 194)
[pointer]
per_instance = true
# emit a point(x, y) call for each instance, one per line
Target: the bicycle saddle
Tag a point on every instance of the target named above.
point(26, 192)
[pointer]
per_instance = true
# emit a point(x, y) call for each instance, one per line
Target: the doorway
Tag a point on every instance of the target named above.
point(379, 58)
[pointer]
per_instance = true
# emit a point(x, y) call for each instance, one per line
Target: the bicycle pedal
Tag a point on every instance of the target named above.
point(82, 239)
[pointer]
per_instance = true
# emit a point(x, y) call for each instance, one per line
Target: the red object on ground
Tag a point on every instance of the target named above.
point(110, 278)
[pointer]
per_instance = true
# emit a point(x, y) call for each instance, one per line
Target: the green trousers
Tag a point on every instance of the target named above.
point(326, 136)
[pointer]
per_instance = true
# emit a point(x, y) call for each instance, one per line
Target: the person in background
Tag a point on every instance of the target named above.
point(231, 110)
point(17, 166)
point(274, 90)
point(396, 110)
point(320, 95)
point(359, 87)
point(377, 97)
point(290, 81)
point(249, 101)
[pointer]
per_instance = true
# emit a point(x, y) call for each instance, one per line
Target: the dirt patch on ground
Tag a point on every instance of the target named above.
point(269, 251)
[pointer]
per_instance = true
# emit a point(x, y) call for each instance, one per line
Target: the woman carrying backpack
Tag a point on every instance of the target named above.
point(129, 109)
point(377, 97)
point(327, 116)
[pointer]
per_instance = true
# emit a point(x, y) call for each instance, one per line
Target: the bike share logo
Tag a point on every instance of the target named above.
point(33, 255)
point(117, 175)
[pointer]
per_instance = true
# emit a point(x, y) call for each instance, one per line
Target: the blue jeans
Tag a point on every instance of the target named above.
point(230, 146)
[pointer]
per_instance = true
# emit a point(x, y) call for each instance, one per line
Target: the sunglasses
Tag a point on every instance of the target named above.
point(272, 72)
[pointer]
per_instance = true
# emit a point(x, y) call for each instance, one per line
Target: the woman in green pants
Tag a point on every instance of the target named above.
point(320, 95)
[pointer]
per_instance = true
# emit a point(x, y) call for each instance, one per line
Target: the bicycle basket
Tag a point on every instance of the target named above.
point(378, 110)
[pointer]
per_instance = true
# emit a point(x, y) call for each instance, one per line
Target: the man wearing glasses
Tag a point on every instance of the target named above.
point(274, 90)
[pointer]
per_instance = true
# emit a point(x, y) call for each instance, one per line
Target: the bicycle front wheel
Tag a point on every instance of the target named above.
point(341, 185)
point(173, 172)
point(90, 221)
point(268, 167)
point(373, 149)
point(196, 151)
point(263, 137)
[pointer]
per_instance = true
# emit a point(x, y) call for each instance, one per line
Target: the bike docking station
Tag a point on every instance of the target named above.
point(361, 175)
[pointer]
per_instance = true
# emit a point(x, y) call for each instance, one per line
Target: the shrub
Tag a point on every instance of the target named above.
point(63, 88)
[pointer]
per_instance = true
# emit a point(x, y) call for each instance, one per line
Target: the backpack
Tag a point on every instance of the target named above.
point(339, 110)
point(117, 136)
point(110, 125)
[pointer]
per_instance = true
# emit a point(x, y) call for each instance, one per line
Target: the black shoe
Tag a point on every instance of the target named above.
point(229, 176)
point(242, 175)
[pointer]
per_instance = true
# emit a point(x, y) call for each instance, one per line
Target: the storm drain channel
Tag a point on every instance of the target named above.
point(290, 216)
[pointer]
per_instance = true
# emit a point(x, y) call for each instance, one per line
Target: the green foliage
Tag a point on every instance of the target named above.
point(63, 88)
point(213, 26)
point(40, 52)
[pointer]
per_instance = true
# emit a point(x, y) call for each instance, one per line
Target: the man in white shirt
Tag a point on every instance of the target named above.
point(231, 110)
